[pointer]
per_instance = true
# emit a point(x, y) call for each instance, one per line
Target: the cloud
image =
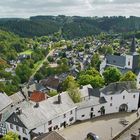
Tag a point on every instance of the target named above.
point(27, 8)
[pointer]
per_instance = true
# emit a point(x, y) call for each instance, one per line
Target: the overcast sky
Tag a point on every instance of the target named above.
point(27, 8)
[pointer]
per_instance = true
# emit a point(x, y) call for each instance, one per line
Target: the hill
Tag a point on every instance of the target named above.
point(70, 27)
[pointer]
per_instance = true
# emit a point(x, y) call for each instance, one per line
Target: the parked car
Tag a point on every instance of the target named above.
point(92, 136)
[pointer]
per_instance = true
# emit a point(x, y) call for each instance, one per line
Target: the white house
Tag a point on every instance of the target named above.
point(27, 118)
point(52, 114)
point(114, 98)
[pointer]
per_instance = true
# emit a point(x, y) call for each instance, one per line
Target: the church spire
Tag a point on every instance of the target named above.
point(133, 45)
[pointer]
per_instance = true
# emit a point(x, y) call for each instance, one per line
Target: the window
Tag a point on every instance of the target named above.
point(71, 112)
point(134, 96)
point(55, 127)
point(128, 63)
point(114, 61)
point(61, 124)
point(49, 122)
point(71, 119)
point(111, 98)
point(25, 138)
point(24, 131)
point(15, 120)
point(110, 104)
point(50, 129)
point(64, 115)
point(17, 128)
point(123, 97)
point(11, 126)
point(92, 109)
point(83, 115)
point(19, 137)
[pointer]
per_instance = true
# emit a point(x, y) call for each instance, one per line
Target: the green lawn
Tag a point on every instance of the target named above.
point(28, 52)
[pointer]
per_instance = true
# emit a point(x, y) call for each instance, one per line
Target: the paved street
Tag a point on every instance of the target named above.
point(132, 130)
point(104, 127)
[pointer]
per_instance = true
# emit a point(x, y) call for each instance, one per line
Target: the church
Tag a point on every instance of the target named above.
point(124, 62)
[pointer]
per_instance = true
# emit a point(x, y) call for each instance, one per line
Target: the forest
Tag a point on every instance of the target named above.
point(70, 27)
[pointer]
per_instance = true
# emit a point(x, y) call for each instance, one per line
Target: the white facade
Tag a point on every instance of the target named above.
point(110, 101)
point(57, 123)
point(22, 132)
point(89, 112)
point(129, 61)
point(116, 100)
point(113, 105)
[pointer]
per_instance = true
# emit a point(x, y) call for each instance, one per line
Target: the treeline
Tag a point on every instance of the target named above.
point(70, 27)
point(11, 45)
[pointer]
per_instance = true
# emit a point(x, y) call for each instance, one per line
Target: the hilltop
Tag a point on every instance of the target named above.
point(70, 27)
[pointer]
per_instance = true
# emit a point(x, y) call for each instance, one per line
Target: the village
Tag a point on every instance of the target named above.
point(34, 111)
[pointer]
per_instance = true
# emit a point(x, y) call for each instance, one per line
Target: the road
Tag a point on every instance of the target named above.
point(132, 130)
point(105, 127)
point(45, 59)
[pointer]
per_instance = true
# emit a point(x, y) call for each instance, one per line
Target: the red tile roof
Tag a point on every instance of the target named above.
point(37, 96)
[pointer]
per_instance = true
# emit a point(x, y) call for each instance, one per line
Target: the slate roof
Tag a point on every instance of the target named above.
point(116, 60)
point(50, 136)
point(51, 82)
point(5, 101)
point(18, 97)
point(47, 110)
point(118, 87)
point(94, 97)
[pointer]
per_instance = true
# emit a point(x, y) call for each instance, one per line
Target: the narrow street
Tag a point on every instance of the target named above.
point(45, 59)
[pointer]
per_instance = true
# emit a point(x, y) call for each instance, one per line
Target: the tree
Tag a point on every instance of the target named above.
point(91, 77)
point(10, 136)
point(52, 93)
point(38, 76)
point(106, 50)
point(129, 76)
point(50, 59)
point(95, 61)
point(1, 86)
point(23, 72)
point(65, 84)
point(73, 92)
point(111, 74)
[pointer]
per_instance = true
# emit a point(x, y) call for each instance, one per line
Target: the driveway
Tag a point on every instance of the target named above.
point(105, 127)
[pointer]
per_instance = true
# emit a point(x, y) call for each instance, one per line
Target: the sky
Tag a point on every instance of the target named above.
point(27, 8)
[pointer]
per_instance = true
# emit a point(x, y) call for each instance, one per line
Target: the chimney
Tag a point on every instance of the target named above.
point(36, 105)
point(19, 111)
point(59, 99)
